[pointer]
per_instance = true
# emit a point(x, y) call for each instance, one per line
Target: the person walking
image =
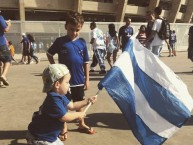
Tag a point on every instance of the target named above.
point(112, 43)
point(172, 42)
point(12, 51)
point(5, 56)
point(157, 42)
point(150, 18)
point(26, 49)
point(99, 47)
point(125, 33)
point(31, 54)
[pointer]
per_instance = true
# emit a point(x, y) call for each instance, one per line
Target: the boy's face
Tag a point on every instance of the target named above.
point(73, 30)
point(64, 85)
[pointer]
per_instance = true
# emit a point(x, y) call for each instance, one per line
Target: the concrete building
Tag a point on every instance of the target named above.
point(97, 10)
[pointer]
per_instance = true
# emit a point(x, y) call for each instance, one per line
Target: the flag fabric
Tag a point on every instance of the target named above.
point(154, 101)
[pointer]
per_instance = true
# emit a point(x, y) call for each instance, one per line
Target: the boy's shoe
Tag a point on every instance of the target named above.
point(102, 72)
point(4, 80)
point(89, 130)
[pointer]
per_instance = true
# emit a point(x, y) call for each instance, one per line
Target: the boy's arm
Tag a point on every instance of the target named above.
point(8, 25)
point(70, 116)
point(80, 104)
point(74, 115)
point(76, 106)
point(86, 75)
point(50, 58)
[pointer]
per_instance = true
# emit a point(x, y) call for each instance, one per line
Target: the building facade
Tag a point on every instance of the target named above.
point(176, 11)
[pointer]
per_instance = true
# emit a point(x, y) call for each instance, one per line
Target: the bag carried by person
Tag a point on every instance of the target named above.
point(164, 32)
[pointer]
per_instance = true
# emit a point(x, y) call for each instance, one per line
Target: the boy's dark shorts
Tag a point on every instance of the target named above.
point(77, 94)
point(5, 55)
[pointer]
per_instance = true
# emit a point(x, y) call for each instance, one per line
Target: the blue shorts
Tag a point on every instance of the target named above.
point(5, 55)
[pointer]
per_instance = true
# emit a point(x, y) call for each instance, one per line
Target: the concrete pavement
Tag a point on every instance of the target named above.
point(24, 96)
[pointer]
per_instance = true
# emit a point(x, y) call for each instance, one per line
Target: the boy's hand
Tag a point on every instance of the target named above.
point(92, 99)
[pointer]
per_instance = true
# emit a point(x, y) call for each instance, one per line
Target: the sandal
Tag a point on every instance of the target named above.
point(86, 130)
point(63, 136)
point(4, 80)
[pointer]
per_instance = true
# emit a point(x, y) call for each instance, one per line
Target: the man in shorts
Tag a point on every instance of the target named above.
point(5, 57)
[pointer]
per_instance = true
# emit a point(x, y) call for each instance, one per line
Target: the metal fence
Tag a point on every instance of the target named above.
point(46, 32)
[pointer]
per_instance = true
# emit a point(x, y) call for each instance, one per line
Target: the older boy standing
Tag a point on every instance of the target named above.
point(72, 51)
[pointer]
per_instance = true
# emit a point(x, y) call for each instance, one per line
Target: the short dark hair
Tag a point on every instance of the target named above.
point(158, 10)
point(93, 24)
point(74, 18)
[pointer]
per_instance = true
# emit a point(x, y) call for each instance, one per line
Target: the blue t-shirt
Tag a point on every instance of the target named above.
point(3, 26)
point(45, 124)
point(73, 54)
point(125, 32)
point(25, 43)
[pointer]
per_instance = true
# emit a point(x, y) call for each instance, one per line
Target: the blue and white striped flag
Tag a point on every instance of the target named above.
point(155, 101)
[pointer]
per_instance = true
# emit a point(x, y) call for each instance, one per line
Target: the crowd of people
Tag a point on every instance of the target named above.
point(66, 82)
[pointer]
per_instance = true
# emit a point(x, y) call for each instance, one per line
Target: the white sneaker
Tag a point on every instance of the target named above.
point(32, 62)
point(1, 84)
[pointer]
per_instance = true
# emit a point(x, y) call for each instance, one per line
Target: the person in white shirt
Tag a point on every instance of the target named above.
point(157, 43)
point(98, 43)
point(112, 43)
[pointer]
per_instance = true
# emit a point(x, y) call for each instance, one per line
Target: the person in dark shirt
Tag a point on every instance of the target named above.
point(150, 18)
point(190, 44)
point(5, 56)
point(125, 32)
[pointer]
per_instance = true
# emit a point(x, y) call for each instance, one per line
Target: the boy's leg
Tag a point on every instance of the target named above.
point(63, 134)
point(31, 140)
point(78, 95)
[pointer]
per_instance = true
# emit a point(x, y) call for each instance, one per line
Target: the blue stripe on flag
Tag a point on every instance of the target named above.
point(124, 97)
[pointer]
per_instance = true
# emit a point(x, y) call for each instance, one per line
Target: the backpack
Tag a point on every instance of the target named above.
point(164, 32)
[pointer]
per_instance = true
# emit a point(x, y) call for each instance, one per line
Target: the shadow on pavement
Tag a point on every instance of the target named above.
point(37, 74)
point(185, 73)
point(15, 135)
point(107, 120)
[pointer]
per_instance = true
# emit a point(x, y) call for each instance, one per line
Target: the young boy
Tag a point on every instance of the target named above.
point(48, 122)
point(72, 51)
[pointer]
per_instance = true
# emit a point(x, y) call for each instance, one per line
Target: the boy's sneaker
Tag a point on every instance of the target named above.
point(102, 72)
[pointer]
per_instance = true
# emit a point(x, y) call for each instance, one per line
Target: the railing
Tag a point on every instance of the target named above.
point(45, 33)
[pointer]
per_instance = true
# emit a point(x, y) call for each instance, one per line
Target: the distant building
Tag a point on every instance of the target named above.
point(98, 10)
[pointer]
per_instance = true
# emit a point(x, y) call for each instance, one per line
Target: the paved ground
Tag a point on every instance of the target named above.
point(24, 96)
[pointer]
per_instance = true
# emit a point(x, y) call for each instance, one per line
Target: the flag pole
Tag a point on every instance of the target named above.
point(88, 106)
